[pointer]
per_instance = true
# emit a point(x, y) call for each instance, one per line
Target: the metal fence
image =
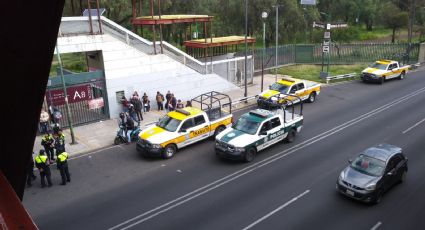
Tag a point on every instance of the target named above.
point(338, 54)
point(84, 91)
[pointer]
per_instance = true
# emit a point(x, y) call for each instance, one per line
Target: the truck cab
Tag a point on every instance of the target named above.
point(383, 70)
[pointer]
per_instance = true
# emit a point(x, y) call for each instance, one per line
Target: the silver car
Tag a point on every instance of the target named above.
point(372, 173)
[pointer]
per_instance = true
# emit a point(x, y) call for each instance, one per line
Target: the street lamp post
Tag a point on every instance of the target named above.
point(264, 16)
point(246, 48)
point(66, 97)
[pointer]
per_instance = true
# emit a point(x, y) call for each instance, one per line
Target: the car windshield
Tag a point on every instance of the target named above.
point(368, 165)
point(246, 125)
point(279, 87)
point(377, 65)
point(169, 123)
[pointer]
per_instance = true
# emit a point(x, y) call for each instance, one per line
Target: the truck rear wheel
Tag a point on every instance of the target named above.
point(291, 136)
point(312, 97)
point(401, 77)
point(219, 130)
point(169, 151)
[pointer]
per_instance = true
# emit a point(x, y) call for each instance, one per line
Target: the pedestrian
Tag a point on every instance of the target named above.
point(124, 103)
point(146, 103)
point(62, 163)
point(44, 121)
point(43, 167)
point(172, 104)
point(30, 172)
point(238, 76)
point(135, 100)
point(48, 143)
point(132, 113)
point(168, 98)
point(60, 142)
point(159, 100)
point(188, 104)
point(179, 104)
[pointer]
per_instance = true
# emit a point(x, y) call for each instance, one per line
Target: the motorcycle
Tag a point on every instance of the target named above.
point(121, 136)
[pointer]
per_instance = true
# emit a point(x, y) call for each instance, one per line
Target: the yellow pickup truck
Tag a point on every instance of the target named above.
point(280, 91)
point(383, 70)
point(185, 126)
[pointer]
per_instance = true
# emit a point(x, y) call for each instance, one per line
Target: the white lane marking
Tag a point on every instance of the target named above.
point(220, 182)
point(417, 123)
point(179, 171)
point(376, 226)
point(276, 210)
point(100, 150)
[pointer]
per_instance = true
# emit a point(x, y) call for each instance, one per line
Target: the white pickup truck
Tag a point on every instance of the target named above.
point(382, 70)
point(255, 131)
point(280, 91)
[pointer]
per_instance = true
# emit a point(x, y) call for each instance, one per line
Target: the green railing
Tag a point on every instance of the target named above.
point(338, 54)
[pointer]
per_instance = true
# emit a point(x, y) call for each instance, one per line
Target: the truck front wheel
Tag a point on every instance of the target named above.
point(250, 154)
point(169, 151)
point(382, 80)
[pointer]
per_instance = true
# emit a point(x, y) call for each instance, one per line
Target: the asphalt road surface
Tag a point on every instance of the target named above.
point(288, 186)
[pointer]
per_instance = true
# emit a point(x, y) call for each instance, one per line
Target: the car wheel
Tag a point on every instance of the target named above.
point(291, 136)
point(378, 197)
point(312, 97)
point(250, 154)
point(403, 176)
point(218, 130)
point(382, 80)
point(401, 77)
point(169, 151)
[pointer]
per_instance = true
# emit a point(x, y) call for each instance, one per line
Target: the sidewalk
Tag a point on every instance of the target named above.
point(101, 134)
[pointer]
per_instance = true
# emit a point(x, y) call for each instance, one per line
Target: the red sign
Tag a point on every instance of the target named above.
point(96, 103)
point(75, 94)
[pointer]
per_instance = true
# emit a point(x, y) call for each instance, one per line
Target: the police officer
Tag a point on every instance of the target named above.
point(43, 166)
point(47, 142)
point(60, 142)
point(30, 172)
point(62, 162)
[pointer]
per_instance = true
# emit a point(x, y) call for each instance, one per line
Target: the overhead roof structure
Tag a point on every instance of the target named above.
point(170, 19)
point(218, 41)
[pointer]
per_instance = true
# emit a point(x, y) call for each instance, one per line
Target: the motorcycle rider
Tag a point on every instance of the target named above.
point(129, 125)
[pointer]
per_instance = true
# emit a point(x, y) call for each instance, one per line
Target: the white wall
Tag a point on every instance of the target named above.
point(128, 69)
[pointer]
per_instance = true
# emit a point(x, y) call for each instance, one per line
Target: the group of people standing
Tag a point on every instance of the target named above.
point(170, 102)
point(53, 145)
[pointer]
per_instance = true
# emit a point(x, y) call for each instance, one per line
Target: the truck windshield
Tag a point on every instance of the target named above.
point(377, 65)
point(279, 87)
point(246, 125)
point(168, 123)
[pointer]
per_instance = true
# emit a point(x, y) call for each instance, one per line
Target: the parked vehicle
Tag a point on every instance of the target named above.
point(382, 70)
point(121, 136)
point(284, 90)
point(257, 130)
point(373, 172)
point(186, 126)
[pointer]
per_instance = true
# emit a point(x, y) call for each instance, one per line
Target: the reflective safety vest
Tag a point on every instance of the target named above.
point(49, 137)
point(63, 157)
point(41, 159)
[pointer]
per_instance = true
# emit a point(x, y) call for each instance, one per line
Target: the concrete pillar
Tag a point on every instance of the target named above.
point(421, 58)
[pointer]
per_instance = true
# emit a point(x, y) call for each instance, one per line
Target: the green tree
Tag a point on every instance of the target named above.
point(393, 17)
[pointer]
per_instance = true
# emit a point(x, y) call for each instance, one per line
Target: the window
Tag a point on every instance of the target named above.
point(300, 86)
point(266, 127)
point(275, 122)
point(294, 89)
point(187, 124)
point(391, 164)
point(199, 120)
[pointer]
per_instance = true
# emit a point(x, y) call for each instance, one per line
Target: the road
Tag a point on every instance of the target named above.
point(288, 186)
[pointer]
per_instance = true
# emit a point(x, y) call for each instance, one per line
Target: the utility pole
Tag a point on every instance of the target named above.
point(246, 49)
point(66, 97)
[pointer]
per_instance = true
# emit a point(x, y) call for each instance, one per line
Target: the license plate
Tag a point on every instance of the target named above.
point(349, 192)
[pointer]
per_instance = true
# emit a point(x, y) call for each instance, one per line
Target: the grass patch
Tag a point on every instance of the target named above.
point(75, 62)
point(312, 72)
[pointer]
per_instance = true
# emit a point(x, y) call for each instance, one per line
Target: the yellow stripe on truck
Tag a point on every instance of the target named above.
point(176, 140)
point(224, 122)
point(153, 131)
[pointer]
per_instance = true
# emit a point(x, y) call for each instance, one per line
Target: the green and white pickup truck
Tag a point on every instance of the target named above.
point(255, 131)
